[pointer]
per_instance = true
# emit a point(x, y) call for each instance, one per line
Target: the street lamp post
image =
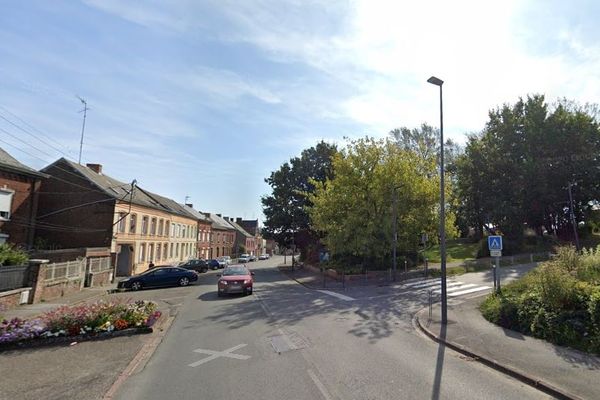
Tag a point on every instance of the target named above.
point(438, 82)
point(395, 263)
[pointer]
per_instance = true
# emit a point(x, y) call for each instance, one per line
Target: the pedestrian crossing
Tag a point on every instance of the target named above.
point(453, 288)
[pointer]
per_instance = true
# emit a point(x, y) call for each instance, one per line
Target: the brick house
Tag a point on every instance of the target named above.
point(222, 236)
point(96, 210)
point(19, 194)
point(252, 227)
point(204, 232)
point(242, 238)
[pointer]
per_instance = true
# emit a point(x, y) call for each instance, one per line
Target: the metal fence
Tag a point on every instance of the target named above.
point(98, 265)
point(70, 270)
point(13, 277)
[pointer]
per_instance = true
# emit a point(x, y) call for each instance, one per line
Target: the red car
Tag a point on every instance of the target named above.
point(235, 279)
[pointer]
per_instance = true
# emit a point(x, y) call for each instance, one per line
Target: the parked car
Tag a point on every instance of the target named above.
point(213, 264)
point(159, 276)
point(252, 257)
point(228, 259)
point(197, 264)
point(222, 262)
point(235, 279)
point(263, 257)
point(244, 258)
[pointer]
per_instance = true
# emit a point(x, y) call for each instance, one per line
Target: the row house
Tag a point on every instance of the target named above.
point(222, 236)
point(244, 242)
point(204, 232)
point(95, 210)
point(252, 227)
point(19, 192)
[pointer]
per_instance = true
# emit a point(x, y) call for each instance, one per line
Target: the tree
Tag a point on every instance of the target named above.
point(353, 210)
point(285, 208)
point(516, 172)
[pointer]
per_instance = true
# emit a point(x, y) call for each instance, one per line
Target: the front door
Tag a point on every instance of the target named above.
point(124, 260)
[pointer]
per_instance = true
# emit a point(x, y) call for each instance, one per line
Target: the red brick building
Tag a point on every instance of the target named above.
point(19, 195)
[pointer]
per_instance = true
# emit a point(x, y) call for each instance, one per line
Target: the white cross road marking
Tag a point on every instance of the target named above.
point(216, 354)
point(339, 296)
point(456, 288)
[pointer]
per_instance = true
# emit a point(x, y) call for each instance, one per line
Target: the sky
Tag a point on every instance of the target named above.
point(205, 98)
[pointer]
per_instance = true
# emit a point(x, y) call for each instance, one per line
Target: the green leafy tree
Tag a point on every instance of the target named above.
point(353, 210)
point(286, 218)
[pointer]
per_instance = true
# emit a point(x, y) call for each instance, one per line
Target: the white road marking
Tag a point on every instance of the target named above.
point(338, 295)
point(456, 288)
point(319, 384)
point(216, 354)
point(473, 290)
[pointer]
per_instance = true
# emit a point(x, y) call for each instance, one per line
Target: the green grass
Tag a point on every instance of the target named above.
point(456, 250)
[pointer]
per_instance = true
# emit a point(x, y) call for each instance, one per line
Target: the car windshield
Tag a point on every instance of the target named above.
point(235, 271)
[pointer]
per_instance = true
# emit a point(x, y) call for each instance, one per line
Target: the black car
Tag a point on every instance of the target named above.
point(162, 276)
point(214, 264)
point(198, 265)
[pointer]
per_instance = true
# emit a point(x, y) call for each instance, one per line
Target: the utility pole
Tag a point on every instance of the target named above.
point(84, 111)
point(573, 222)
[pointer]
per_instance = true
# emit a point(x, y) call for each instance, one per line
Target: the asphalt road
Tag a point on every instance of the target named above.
point(287, 341)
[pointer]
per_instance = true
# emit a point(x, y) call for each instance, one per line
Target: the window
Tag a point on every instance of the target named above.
point(158, 248)
point(122, 220)
point(166, 228)
point(171, 251)
point(165, 251)
point(160, 227)
point(177, 250)
point(142, 253)
point(218, 238)
point(183, 231)
point(153, 226)
point(132, 223)
point(144, 225)
point(150, 252)
point(6, 197)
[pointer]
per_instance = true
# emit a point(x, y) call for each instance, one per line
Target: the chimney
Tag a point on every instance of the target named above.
point(238, 220)
point(190, 205)
point(97, 168)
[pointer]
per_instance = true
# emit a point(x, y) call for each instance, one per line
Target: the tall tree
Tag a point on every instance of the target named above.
point(354, 210)
point(285, 208)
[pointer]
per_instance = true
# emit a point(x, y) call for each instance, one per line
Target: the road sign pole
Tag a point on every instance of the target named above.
point(498, 273)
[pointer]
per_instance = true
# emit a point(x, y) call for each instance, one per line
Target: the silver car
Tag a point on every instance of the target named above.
point(244, 258)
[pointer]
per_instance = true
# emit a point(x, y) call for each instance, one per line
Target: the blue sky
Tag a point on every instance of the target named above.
point(205, 98)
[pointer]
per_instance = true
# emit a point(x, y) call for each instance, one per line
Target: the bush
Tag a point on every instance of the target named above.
point(10, 255)
point(552, 302)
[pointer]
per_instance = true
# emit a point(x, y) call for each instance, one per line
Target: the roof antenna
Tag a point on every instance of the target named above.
point(85, 108)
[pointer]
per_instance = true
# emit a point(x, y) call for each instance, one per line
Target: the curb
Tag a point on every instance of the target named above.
point(505, 369)
point(143, 356)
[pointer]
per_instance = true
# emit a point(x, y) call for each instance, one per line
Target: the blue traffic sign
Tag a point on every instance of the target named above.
point(495, 242)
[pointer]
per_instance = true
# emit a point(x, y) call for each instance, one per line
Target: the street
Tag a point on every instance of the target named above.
point(288, 341)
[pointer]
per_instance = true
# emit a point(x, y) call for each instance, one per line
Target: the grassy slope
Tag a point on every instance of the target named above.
point(456, 250)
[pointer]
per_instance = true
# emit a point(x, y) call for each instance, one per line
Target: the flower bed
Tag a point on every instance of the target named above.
point(80, 322)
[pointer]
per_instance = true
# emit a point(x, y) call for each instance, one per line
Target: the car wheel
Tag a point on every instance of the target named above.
point(249, 291)
point(219, 294)
point(184, 281)
point(136, 286)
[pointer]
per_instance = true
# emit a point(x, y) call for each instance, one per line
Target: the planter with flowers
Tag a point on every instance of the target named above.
point(70, 324)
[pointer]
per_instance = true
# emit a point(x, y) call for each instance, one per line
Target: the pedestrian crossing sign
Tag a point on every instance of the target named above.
point(495, 242)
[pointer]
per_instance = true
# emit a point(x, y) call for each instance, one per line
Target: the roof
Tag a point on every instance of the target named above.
point(195, 213)
point(251, 225)
point(240, 229)
point(219, 222)
point(8, 162)
point(121, 191)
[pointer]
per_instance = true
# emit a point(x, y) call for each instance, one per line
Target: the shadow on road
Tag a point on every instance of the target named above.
point(439, 366)
point(287, 303)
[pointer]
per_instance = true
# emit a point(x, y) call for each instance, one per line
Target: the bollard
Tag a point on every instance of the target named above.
point(426, 268)
point(405, 266)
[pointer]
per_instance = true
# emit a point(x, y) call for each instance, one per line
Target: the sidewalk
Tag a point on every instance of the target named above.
point(27, 311)
point(559, 371)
